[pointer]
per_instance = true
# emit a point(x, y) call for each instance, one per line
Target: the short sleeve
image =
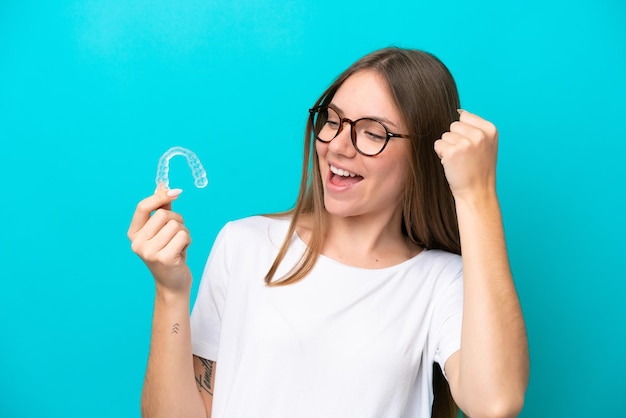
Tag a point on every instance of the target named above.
point(206, 315)
point(445, 328)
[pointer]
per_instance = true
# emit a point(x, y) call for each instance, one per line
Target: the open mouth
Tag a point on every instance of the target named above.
point(341, 177)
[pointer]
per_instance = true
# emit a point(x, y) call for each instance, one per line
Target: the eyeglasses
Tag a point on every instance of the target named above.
point(369, 136)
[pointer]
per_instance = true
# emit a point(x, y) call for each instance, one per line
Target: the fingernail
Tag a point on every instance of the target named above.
point(174, 192)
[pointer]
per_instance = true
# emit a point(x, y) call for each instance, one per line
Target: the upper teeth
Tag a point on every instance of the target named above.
point(341, 172)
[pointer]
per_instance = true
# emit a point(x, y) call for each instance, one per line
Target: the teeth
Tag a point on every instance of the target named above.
point(341, 172)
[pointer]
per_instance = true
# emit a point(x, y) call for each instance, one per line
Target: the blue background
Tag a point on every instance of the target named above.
point(92, 92)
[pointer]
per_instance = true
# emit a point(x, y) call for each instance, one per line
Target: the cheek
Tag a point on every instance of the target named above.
point(321, 149)
point(319, 158)
point(403, 164)
point(396, 177)
point(397, 167)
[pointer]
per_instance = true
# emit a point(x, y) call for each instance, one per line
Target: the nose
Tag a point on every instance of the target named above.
point(342, 143)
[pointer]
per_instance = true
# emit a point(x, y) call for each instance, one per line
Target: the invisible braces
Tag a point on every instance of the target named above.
point(197, 171)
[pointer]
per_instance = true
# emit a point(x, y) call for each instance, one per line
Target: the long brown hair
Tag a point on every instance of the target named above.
point(425, 93)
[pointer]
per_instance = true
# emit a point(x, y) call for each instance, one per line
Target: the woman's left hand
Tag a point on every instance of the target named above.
point(468, 153)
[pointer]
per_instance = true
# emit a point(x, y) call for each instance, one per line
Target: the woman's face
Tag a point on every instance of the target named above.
point(355, 184)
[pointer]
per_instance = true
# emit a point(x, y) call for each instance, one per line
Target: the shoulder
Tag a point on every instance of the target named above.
point(442, 267)
point(442, 259)
point(256, 223)
point(256, 228)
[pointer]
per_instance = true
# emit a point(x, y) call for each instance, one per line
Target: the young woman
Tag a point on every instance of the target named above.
point(353, 303)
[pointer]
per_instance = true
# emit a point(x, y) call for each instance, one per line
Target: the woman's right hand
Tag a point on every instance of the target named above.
point(161, 241)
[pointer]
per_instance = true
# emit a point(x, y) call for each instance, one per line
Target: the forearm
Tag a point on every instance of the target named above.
point(493, 361)
point(169, 387)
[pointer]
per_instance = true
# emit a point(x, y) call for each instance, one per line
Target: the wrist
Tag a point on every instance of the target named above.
point(171, 296)
point(477, 200)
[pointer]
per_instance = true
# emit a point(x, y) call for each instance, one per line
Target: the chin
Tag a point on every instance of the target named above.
point(339, 210)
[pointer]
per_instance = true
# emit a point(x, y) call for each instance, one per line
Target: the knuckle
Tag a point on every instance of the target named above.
point(150, 256)
point(143, 206)
point(160, 213)
point(184, 235)
point(494, 132)
point(173, 224)
point(135, 246)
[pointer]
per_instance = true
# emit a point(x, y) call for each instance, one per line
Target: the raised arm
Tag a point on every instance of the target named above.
point(488, 376)
point(161, 241)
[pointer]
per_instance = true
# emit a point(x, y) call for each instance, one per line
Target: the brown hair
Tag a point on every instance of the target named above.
point(425, 93)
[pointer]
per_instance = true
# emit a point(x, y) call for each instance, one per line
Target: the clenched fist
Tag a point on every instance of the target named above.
point(468, 153)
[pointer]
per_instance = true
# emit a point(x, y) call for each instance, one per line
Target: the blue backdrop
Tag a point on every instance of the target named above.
point(92, 92)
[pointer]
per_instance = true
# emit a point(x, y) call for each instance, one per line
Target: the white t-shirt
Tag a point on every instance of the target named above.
point(343, 342)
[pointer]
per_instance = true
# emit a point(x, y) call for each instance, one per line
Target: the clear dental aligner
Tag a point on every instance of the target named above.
point(199, 175)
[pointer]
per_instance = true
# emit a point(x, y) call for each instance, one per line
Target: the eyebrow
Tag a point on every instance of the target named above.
point(378, 118)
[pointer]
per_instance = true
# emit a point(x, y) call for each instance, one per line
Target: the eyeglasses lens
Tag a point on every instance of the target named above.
point(369, 136)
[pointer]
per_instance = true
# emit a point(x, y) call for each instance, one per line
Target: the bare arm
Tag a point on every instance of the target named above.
point(169, 387)
point(488, 376)
point(205, 380)
point(161, 240)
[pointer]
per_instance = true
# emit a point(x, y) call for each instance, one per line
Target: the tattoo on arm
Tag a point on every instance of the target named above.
point(175, 328)
point(204, 378)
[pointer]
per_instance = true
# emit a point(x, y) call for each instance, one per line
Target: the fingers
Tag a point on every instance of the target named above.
point(177, 248)
point(159, 237)
point(157, 221)
point(468, 153)
point(157, 234)
point(167, 246)
point(160, 199)
point(474, 127)
point(469, 131)
point(469, 119)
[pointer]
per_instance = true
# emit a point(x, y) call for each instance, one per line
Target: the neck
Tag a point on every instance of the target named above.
point(372, 241)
